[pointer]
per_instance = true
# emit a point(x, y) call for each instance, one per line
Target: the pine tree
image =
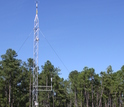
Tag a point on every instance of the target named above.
point(10, 72)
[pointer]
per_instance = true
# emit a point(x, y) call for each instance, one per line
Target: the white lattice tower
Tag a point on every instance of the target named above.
point(35, 65)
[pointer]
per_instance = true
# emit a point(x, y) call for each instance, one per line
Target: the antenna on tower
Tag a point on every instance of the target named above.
point(36, 7)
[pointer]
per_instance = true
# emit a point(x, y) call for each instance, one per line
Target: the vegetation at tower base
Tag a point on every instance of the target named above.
point(81, 89)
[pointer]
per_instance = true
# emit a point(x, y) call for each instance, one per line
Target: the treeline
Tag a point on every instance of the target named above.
point(81, 89)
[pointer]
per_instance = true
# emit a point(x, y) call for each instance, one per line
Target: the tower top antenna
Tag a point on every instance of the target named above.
point(36, 4)
point(36, 7)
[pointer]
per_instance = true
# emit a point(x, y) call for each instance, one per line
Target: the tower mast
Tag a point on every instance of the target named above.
point(35, 64)
point(35, 59)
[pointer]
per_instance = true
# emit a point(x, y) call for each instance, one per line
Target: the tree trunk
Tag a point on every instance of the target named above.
point(70, 102)
point(92, 95)
point(120, 100)
point(6, 94)
point(30, 92)
point(110, 101)
point(101, 98)
point(97, 99)
point(10, 94)
point(12, 101)
point(81, 98)
point(114, 101)
point(117, 101)
point(48, 100)
point(105, 103)
point(75, 97)
point(87, 98)
point(53, 99)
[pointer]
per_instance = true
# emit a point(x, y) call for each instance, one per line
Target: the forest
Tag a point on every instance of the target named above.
point(82, 88)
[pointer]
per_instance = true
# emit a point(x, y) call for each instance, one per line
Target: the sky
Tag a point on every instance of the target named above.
point(81, 32)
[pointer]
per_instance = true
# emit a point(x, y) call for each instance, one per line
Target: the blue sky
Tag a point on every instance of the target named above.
point(82, 32)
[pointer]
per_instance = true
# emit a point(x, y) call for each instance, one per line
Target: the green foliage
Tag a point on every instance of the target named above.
point(81, 89)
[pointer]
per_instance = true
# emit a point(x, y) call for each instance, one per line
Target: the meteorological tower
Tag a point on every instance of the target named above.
point(36, 87)
point(35, 59)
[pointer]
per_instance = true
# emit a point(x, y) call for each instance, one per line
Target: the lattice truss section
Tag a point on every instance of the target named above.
point(35, 54)
point(37, 88)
